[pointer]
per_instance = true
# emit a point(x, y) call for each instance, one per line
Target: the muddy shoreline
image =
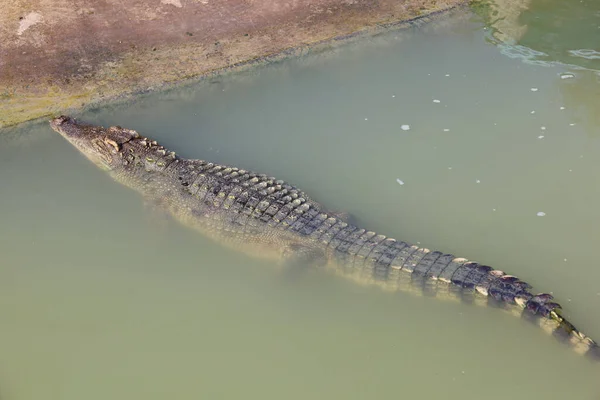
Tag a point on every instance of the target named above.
point(54, 62)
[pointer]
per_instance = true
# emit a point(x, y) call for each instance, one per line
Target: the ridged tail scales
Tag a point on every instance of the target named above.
point(401, 266)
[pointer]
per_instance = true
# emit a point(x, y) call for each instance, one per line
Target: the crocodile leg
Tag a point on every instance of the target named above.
point(299, 256)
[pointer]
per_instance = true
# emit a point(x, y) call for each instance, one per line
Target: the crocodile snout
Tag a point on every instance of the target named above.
point(57, 122)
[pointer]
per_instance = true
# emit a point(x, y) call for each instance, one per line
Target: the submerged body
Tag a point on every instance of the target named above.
point(269, 218)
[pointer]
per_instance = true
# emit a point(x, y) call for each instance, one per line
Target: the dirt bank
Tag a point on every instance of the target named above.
point(57, 55)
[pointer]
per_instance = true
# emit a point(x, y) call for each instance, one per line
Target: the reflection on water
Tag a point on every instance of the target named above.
point(100, 299)
point(558, 34)
point(582, 97)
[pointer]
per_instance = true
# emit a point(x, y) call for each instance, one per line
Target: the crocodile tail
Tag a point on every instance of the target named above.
point(510, 292)
point(541, 310)
point(445, 276)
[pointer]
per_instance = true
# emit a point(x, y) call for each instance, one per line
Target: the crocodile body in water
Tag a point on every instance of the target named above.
point(269, 218)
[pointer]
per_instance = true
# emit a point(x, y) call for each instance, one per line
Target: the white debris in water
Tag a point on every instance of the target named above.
point(534, 89)
point(366, 119)
point(446, 130)
point(570, 170)
point(566, 76)
point(28, 21)
point(477, 181)
point(493, 209)
point(541, 137)
point(562, 108)
point(532, 112)
point(400, 182)
point(393, 95)
point(449, 167)
point(543, 128)
point(436, 101)
point(541, 214)
point(565, 260)
point(176, 3)
point(405, 127)
point(447, 75)
point(572, 124)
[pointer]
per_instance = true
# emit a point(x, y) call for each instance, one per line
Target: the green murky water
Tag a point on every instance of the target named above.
point(99, 298)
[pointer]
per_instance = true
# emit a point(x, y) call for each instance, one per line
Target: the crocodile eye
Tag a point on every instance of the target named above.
point(113, 145)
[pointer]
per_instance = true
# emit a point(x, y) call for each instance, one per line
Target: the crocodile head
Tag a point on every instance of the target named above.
point(101, 145)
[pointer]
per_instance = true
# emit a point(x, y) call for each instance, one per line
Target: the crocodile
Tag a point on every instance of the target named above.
point(269, 218)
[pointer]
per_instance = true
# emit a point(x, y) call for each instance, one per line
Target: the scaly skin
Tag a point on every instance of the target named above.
point(269, 218)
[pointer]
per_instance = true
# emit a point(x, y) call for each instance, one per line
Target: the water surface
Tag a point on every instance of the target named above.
point(101, 297)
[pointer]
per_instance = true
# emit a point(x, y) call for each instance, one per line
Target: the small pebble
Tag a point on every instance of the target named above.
point(405, 127)
point(541, 214)
point(534, 89)
point(400, 182)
